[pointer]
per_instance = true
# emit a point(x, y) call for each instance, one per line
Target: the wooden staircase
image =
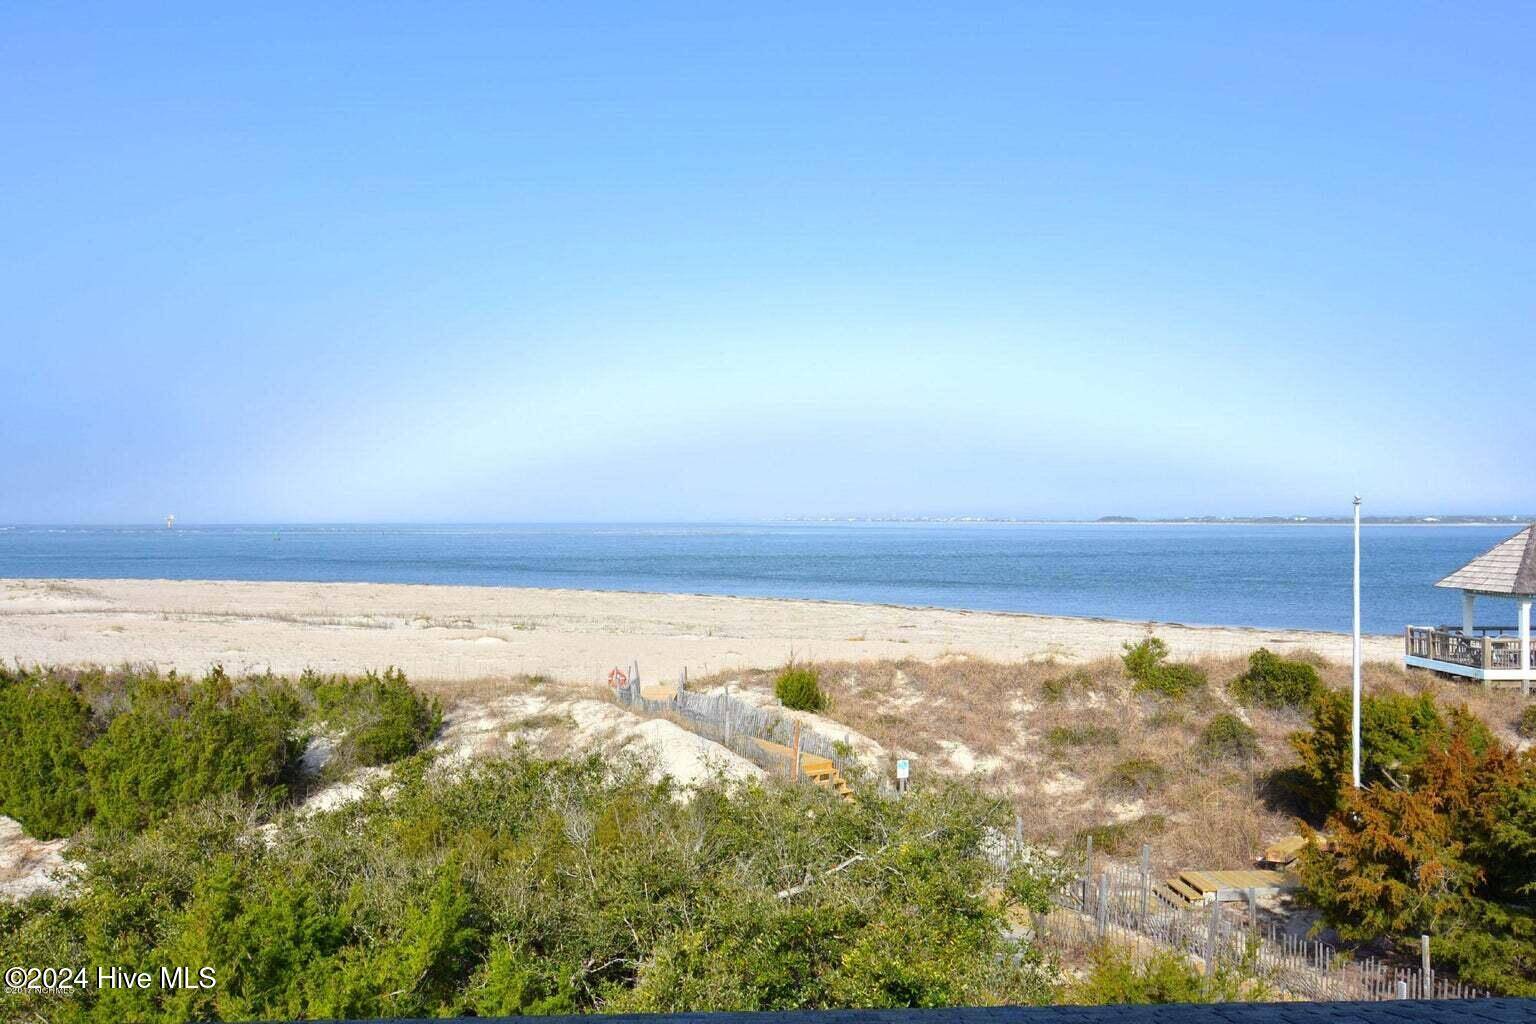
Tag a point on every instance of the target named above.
point(822, 771)
point(1199, 888)
point(829, 777)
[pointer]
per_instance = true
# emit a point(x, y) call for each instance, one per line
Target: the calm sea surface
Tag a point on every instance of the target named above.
point(1268, 576)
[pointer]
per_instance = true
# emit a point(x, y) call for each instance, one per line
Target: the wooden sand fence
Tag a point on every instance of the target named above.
point(1121, 903)
point(732, 722)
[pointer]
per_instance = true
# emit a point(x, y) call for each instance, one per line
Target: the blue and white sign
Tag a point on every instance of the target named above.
point(903, 769)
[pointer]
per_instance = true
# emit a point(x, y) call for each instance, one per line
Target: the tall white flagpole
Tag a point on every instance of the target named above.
point(1355, 710)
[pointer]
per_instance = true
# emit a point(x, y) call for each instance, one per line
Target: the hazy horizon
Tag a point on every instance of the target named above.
point(1205, 518)
point(618, 264)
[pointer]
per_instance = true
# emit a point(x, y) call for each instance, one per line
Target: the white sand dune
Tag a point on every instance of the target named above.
point(28, 865)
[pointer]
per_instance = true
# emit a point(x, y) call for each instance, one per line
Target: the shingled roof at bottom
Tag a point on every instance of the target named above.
point(1508, 567)
point(1442, 1011)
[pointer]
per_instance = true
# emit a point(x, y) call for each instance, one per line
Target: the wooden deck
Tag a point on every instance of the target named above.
point(1490, 654)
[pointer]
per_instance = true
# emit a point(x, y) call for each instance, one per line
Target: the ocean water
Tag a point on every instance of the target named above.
point(1266, 576)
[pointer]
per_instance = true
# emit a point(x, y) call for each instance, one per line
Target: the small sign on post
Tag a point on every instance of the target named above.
point(903, 772)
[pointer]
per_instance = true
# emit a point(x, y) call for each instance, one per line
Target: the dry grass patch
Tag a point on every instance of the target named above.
point(1053, 734)
point(1056, 739)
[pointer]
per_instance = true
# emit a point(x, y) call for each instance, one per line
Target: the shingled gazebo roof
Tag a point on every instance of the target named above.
point(1507, 568)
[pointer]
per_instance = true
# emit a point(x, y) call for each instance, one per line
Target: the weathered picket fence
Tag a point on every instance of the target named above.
point(731, 722)
point(1121, 901)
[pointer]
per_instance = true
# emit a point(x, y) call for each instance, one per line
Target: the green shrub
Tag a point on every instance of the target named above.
point(1144, 659)
point(1118, 977)
point(1228, 738)
point(1147, 665)
point(1056, 687)
point(1525, 727)
point(1176, 680)
point(800, 689)
point(127, 746)
point(382, 719)
point(179, 744)
point(527, 886)
point(1274, 682)
point(44, 731)
point(1083, 736)
point(1137, 776)
point(1122, 837)
point(1395, 732)
point(1450, 853)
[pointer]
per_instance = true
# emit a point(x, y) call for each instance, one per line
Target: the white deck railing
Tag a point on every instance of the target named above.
point(1487, 647)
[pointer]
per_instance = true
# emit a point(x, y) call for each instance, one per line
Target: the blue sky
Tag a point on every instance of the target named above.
point(502, 262)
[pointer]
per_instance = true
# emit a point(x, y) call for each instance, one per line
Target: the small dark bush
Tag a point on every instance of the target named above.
point(1526, 726)
point(1146, 663)
point(44, 730)
point(800, 689)
point(1057, 687)
point(1083, 736)
point(1228, 738)
point(1122, 837)
point(1275, 682)
point(1135, 777)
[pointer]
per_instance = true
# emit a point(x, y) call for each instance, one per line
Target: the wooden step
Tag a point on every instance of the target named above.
point(840, 785)
point(1200, 881)
point(1226, 886)
point(822, 771)
point(1186, 892)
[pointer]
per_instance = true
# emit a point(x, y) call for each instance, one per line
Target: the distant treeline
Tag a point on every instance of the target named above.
point(1424, 520)
point(1336, 520)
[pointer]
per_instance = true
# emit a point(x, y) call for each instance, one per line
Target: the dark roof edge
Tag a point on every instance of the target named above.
point(1408, 1011)
point(1525, 576)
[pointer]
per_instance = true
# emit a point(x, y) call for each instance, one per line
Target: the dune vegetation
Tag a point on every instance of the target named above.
point(541, 881)
point(122, 749)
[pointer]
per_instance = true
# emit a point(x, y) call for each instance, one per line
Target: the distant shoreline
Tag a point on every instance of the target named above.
point(1261, 521)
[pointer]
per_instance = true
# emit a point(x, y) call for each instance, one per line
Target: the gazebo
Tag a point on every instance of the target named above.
point(1486, 653)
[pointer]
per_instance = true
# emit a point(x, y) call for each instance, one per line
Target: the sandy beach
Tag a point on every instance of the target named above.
point(457, 632)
